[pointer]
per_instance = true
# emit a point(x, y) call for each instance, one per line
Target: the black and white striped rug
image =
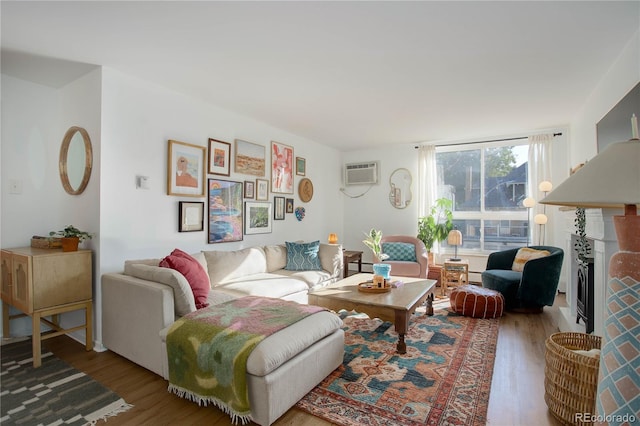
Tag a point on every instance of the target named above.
point(53, 394)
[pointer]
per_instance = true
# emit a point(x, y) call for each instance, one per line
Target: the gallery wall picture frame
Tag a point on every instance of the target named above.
point(219, 157)
point(250, 158)
point(185, 169)
point(190, 216)
point(301, 166)
point(225, 211)
point(249, 189)
point(262, 190)
point(305, 190)
point(281, 168)
point(278, 208)
point(257, 217)
point(289, 205)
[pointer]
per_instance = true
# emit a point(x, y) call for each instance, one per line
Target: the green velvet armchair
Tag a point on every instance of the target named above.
point(531, 289)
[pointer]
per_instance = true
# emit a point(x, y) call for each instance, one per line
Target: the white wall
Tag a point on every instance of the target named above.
point(138, 120)
point(373, 209)
point(34, 121)
point(130, 122)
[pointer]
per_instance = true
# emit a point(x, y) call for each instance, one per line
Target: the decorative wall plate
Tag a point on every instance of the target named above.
point(305, 190)
point(300, 213)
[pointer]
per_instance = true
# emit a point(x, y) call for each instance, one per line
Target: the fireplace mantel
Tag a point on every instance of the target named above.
point(600, 229)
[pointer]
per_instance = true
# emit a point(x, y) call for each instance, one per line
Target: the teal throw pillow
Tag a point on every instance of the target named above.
point(303, 256)
point(400, 251)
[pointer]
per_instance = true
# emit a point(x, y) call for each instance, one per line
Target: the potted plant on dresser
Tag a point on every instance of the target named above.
point(71, 237)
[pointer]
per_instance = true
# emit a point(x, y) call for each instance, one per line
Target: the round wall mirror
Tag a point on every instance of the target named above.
point(76, 159)
point(400, 194)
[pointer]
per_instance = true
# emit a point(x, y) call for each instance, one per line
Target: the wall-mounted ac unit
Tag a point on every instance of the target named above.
point(361, 173)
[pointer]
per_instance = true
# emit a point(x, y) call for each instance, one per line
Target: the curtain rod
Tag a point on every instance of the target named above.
point(493, 140)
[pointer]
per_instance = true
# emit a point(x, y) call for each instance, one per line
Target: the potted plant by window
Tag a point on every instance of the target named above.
point(374, 242)
point(436, 226)
point(71, 237)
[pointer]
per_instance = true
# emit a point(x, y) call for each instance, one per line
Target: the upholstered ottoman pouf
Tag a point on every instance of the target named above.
point(477, 302)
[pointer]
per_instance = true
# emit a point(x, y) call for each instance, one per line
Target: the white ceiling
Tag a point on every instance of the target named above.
point(345, 74)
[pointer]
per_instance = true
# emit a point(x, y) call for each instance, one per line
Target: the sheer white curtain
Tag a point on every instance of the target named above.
point(427, 179)
point(539, 170)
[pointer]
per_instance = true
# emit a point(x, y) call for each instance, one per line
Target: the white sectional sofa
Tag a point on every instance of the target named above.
point(140, 304)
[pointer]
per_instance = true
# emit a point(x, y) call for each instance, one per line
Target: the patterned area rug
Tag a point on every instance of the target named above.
point(444, 378)
point(54, 393)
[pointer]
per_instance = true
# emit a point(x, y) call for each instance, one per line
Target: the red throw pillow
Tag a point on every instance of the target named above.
point(193, 271)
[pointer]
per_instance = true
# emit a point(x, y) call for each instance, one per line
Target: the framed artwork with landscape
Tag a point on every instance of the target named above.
point(250, 158)
point(257, 217)
point(281, 168)
point(185, 169)
point(225, 210)
point(219, 157)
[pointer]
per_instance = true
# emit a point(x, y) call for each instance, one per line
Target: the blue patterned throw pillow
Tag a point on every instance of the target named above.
point(400, 251)
point(303, 256)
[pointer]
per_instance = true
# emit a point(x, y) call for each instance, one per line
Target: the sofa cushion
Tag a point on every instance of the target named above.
point(400, 251)
point(524, 255)
point(227, 266)
point(184, 302)
point(313, 279)
point(265, 285)
point(194, 273)
point(283, 345)
point(303, 256)
point(276, 257)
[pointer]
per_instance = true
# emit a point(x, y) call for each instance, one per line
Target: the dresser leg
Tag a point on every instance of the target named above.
point(36, 341)
point(89, 326)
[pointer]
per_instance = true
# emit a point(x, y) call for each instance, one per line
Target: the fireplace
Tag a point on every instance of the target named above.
point(584, 295)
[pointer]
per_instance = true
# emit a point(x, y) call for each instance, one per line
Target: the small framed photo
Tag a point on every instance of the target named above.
point(219, 157)
point(250, 158)
point(289, 205)
point(186, 169)
point(257, 218)
point(190, 216)
point(262, 192)
point(301, 166)
point(278, 208)
point(249, 189)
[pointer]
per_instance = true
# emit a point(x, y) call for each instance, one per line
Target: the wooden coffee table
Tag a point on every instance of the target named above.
point(395, 306)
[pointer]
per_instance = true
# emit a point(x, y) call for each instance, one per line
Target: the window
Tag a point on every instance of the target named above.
point(487, 183)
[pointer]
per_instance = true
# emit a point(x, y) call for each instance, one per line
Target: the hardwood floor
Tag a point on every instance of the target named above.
point(517, 390)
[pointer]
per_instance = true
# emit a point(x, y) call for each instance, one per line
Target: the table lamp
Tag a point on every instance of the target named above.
point(455, 239)
point(612, 180)
point(333, 238)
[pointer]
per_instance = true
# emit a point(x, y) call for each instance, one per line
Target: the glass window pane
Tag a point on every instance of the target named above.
point(505, 234)
point(505, 178)
point(459, 178)
point(470, 234)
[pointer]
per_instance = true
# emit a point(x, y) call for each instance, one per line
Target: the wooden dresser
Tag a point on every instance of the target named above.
point(45, 283)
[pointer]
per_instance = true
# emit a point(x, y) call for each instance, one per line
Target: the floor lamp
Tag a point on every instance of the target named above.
point(612, 180)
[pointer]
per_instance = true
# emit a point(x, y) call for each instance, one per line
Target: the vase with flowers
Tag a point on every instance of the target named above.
point(374, 242)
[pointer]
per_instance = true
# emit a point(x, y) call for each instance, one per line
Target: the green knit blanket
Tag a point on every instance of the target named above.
point(208, 349)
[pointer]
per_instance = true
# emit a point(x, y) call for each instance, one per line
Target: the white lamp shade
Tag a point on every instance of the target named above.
point(454, 238)
point(611, 179)
point(540, 219)
point(528, 202)
point(545, 186)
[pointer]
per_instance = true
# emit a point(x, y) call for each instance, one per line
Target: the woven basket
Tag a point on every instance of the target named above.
point(571, 379)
